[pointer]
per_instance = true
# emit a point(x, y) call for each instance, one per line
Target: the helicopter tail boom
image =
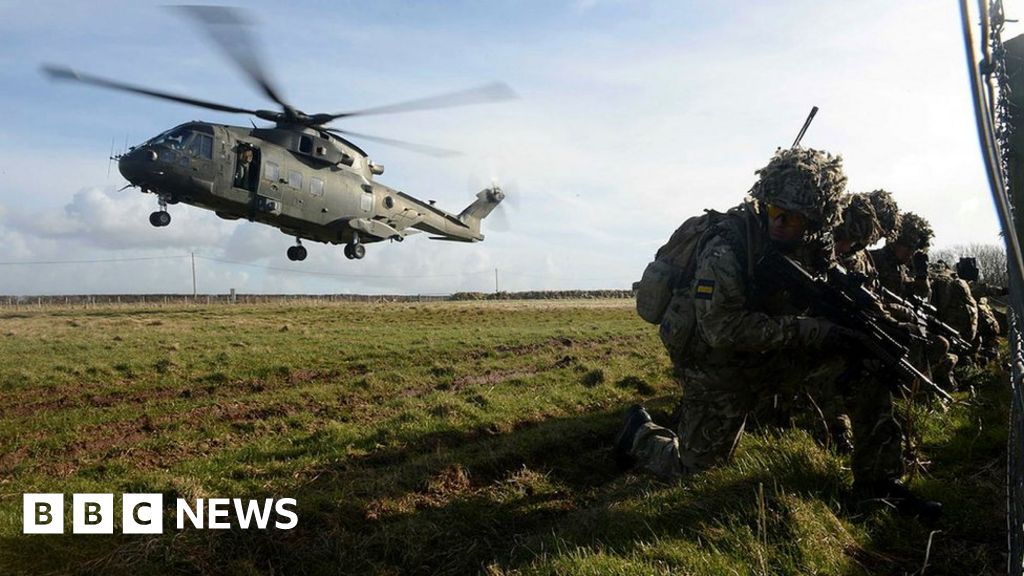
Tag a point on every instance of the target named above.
point(486, 201)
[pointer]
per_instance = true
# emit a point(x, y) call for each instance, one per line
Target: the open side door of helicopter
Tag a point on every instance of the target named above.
point(247, 167)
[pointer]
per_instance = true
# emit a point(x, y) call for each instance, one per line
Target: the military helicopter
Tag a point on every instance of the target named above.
point(298, 175)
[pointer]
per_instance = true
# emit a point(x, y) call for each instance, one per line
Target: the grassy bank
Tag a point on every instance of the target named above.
point(442, 437)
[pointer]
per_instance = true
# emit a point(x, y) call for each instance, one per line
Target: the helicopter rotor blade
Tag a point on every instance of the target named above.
point(65, 73)
point(505, 212)
point(493, 92)
point(411, 146)
point(228, 28)
point(500, 219)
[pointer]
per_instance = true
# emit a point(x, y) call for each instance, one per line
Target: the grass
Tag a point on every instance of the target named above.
point(469, 437)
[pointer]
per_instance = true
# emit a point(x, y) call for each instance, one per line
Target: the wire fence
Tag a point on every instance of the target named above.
point(992, 86)
point(136, 300)
point(83, 301)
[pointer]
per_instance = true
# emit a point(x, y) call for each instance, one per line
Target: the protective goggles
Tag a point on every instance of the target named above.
point(788, 218)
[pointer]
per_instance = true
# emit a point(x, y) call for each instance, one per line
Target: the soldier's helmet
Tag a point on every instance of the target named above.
point(915, 232)
point(805, 181)
point(859, 223)
point(940, 268)
point(888, 213)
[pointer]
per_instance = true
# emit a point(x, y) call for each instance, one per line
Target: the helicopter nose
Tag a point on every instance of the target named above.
point(135, 165)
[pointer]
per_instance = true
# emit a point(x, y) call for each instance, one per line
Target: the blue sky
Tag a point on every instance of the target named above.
point(633, 116)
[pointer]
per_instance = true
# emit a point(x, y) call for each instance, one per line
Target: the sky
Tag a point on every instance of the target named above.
point(631, 117)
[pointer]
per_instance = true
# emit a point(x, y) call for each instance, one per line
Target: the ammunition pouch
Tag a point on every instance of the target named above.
point(654, 290)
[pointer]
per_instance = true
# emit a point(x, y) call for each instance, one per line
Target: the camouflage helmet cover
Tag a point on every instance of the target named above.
point(859, 224)
point(915, 232)
point(803, 180)
point(888, 213)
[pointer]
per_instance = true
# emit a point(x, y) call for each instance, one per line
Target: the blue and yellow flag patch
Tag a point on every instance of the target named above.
point(705, 289)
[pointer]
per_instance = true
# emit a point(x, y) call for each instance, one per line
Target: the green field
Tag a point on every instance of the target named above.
point(442, 438)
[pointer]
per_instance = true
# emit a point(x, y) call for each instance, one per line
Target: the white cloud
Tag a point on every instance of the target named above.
point(118, 220)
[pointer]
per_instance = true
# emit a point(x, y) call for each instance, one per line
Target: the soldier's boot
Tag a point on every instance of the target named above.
point(906, 502)
point(636, 417)
point(841, 434)
point(942, 373)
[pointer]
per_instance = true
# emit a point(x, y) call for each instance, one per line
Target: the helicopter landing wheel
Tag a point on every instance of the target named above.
point(160, 219)
point(348, 251)
point(358, 251)
point(296, 253)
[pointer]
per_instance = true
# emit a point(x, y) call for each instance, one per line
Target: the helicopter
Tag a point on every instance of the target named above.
point(298, 175)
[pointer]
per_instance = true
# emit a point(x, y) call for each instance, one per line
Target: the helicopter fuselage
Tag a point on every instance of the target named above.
point(310, 184)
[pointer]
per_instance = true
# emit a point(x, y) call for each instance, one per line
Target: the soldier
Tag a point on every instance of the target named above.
point(954, 305)
point(887, 212)
point(736, 335)
point(985, 346)
point(986, 343)
point(903, 262)
point(859, 229)
point(243, 168)
point(902, 266)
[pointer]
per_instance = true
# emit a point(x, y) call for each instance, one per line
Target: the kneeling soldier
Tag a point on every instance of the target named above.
point(736, 335)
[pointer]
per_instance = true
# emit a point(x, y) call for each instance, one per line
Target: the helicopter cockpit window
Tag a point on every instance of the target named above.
point(197, 144)
point(176, 139)
point(202, 146)
point(306, 144)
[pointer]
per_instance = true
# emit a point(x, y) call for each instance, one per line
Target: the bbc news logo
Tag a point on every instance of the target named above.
point(144, 513)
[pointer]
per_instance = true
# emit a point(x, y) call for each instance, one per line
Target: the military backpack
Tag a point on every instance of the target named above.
point(673, 266)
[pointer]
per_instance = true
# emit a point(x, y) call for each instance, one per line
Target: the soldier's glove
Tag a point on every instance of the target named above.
point(920, 262)
point(825, 335)
point(915, 329)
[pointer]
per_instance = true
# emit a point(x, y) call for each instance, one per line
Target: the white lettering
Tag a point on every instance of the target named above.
point(219, 509)
point(281, 509)
point(185, 510)
point(253, 510)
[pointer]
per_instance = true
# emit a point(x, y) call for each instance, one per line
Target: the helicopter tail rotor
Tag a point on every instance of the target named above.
point(503, 211)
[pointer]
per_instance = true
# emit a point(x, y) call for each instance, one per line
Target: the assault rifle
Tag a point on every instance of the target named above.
point(926, 313)
point(842, 298)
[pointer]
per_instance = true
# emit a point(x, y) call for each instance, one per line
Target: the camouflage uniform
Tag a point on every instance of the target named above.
point(747, 338)
point(985, 346)
point(986, 342)
point(859, 228)
point(915, 234)
point(953, 300)
point(955, 306)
